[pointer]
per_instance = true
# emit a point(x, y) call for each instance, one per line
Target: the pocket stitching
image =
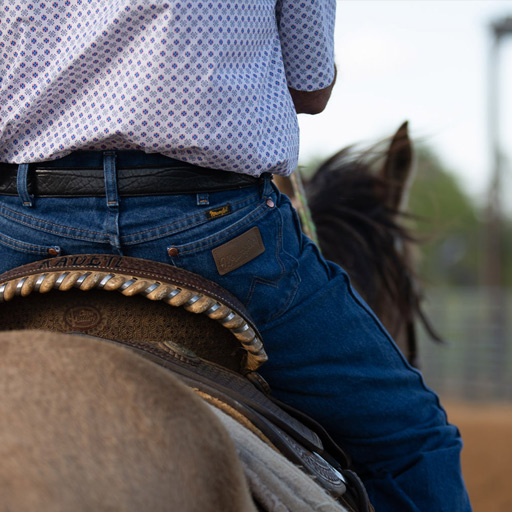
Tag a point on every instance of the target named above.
point(229, 232)
point(294, 274)
point(41, 225)
point(25, 247)
point(240, 204)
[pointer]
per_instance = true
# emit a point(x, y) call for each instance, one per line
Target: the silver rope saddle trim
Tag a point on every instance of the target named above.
point(177, 296)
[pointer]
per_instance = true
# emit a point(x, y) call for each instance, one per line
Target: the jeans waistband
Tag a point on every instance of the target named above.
point(82, 174)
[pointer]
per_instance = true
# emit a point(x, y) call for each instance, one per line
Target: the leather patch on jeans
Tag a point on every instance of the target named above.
point(239, 251)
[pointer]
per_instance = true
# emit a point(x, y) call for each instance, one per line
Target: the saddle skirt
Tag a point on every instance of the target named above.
point(275, 483)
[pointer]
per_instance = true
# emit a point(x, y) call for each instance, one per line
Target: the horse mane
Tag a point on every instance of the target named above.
point(359, 230)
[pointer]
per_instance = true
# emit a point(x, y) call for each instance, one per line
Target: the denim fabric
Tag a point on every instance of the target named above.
point(328, 354)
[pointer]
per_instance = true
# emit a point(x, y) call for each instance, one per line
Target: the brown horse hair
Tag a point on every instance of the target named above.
point(360, 231)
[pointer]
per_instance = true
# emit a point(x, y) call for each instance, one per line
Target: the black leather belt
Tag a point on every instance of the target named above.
point(138, 174)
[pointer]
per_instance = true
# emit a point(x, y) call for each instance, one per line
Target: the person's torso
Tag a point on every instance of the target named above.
point(202, 82)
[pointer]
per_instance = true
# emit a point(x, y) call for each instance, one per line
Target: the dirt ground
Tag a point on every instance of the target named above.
point(487, 455)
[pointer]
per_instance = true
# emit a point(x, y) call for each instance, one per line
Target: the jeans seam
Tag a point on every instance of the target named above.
point(275, 284)
point(42, 225)
point(180, 223)
point(383, 330)
point(254, 216)
point(23, 246)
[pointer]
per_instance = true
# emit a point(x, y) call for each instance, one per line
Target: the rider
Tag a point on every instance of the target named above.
point(152, 129)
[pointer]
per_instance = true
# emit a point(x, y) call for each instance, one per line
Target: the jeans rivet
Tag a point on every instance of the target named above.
point(173, 251)
point(53, 252)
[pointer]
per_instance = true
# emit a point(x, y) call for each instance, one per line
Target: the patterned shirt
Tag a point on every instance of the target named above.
point(201, 81)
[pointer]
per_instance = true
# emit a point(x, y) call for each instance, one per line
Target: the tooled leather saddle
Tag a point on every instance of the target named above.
point(218, 359)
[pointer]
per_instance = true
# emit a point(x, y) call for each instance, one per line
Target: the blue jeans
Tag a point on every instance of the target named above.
point(328, 354)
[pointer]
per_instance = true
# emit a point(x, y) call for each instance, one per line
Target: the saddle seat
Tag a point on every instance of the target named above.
point(216, 359)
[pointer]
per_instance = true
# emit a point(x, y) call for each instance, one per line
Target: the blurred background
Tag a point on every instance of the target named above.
point(446, 67)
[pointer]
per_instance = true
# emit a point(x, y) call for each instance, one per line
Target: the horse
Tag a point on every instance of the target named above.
point(359, 208)
point(92, 426)
point(95, 424)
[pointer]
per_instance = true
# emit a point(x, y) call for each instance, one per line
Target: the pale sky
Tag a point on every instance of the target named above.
point(425, 61)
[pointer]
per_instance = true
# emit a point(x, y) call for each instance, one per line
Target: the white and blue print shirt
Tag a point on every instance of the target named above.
point(201, 81)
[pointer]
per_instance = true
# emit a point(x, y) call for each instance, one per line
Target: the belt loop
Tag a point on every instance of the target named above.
point(112, 196)
point(267, 184)
point(110, 174)
point(22, 185)
point(203, 199)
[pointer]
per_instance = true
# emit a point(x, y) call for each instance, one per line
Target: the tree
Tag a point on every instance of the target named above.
point(447, 223)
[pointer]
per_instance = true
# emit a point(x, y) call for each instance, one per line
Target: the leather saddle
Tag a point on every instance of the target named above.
point(218, 359)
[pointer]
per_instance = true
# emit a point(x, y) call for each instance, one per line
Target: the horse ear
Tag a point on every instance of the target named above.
point(398, 168)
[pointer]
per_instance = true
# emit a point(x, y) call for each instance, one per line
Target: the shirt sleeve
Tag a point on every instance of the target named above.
point(306, 30)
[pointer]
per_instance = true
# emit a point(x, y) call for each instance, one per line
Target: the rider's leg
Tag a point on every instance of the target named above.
point(329, 356)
